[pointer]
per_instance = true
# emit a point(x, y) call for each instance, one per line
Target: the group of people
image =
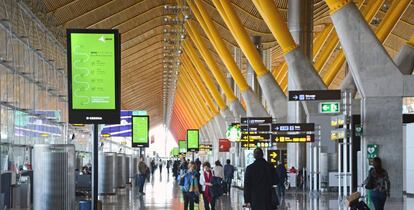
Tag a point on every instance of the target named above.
point(196, 179)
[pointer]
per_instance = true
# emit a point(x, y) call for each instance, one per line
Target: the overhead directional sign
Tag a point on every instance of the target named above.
point(256, 137)
point(255, 120)
point(206, 147)
point(329, 107)
point(293, 127)
point(293, 138)
point(314, 95)
point(255, 128)
point(273, 157)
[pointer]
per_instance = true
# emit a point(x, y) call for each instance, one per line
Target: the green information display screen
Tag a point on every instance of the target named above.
point(175, 151)
point(140, 131)
point(94, 76)
point(193, 140)
point(182, 145)
point(93, 71)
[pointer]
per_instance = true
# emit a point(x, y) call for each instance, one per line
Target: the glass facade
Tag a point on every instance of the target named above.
point(33, 90)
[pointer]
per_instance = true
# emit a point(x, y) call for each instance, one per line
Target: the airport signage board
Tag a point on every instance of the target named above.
point(293, 138)
point(193, 139)
point(372, 151)
point(94, 74)
point(273, 157)
point(329, 107)
point(255, 128)
point(140, 131)
point(314, 95)
point(206, 147)
point(233, 132)
point(182, 145)
point(224, 145)
point(175, 152)
point(293, 127)
point(255, 120)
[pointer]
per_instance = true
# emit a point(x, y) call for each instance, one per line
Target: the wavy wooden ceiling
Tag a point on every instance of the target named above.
point(141, 25)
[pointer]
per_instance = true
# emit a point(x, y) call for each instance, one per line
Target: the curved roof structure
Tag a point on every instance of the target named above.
point(147, 79)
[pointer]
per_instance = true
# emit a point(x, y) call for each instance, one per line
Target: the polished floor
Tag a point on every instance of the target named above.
point(162, 193)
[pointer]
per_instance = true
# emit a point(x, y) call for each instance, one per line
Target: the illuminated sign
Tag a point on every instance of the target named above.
point(224, 145)
point(193, 140)
point(293, 138)
point(329, 107)
point(182, 145)
point(293, 127)
point(175, 152)
point(206, 147)
point(255, 120)
point(140, 131)
point(314, 95)
point(233, 132)
point(93, 76)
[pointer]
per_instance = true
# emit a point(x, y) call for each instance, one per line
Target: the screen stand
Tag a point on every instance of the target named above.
point(95, 167)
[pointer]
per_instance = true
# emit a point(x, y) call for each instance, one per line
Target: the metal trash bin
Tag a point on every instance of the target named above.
point(106, 184)
point(120, 171)
point(54, 177)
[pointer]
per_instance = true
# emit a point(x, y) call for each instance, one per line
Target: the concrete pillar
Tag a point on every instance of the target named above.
point(404, 61)
point(381, 117)
point(381, 86)
point(300, 16)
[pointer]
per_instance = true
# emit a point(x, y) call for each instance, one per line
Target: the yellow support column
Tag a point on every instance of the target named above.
point(197, 95)
point(196, 38)
point(208, 26)
point(241, 36)
point(189, 69)
point(384, 29)
point(188, 47)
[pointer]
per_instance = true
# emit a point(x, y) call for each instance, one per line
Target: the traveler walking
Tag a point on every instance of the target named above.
point(259, 179)
point(168, 167)
point(205, 181)
point(142, 173)
point(281, 174)
point(190, 187)
point(218, 170)
point(228, 175)
point(379, 184)
point(153, 166)
point(160, 166)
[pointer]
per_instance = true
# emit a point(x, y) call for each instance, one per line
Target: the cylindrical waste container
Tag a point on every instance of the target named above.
point(127, 161)
point(106, 167)
point(133, 165)
point(120, 171)
point(54, 177)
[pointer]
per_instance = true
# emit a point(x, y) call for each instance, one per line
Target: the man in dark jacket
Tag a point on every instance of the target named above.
point(259, 179)
point(228, 175)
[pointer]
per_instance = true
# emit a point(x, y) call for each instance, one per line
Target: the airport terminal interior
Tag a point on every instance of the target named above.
point(206, 104)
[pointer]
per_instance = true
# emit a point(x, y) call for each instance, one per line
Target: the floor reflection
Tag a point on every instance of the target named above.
point(162, 192)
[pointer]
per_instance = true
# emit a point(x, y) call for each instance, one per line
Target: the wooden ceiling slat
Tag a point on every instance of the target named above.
point(100, 13)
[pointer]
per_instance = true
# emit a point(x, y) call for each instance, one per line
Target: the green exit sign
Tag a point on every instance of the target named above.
point(329, 107)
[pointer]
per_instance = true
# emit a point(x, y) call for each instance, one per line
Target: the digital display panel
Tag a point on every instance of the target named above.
point(175, 152)
point(94, 75)
point(182, 145)
point(192, 140)
point(140, 131)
